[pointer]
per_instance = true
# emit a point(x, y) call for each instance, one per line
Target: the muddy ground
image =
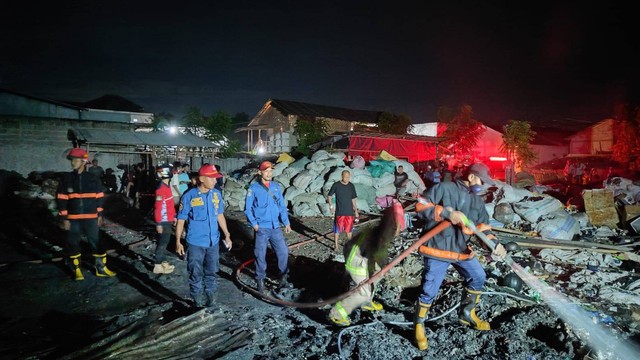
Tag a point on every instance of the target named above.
point(46, 315)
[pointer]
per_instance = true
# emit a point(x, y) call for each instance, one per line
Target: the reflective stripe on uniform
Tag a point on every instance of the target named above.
point(355, 270)
point(341, 310)
point(82, 216)
point(443, 254)
point(85, 195)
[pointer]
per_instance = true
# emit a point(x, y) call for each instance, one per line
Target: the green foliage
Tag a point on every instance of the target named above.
point(193, 121)
point(309, 131)
point(462, 133)
point(626, 133)
point(218, 126)
point(516, 142)
point(161, 121)
point(394, 124)
point(229, 149)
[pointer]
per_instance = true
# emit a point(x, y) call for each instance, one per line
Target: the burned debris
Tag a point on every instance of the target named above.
point(587, 253)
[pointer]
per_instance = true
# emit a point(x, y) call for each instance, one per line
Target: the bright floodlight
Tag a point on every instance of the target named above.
point(172, 129)
point(260, 150)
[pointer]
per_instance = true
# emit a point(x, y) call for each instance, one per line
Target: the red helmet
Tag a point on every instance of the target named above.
point(78, 153)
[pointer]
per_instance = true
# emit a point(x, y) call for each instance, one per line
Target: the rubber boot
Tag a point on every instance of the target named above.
point(339, 316)
point(260, 285)
point(467, 312)
point(198, 300)
point(210, 299)
point(421, 315)
point(284, 281)
point(373, 306)
point(101, 266)
point(75, 260)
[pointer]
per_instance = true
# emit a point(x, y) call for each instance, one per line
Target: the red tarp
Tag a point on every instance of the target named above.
point(409, 150)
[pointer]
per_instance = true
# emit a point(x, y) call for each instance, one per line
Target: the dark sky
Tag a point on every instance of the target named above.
point(543, 62)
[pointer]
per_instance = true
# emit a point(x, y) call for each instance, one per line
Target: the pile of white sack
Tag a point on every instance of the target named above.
point(307, 182)
point(546, 214)
point(623, 189)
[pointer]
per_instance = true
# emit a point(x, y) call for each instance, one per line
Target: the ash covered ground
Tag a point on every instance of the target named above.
point(46, 315)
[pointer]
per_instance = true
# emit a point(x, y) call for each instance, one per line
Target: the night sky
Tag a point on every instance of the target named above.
point(546, 62)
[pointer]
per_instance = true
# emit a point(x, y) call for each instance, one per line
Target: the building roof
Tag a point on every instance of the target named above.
point(287, 107)
point(53, 102)
point(110, 102)
point(126, 137)
point(409, 137)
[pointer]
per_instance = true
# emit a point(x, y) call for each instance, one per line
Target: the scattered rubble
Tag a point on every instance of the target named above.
point(596, 266)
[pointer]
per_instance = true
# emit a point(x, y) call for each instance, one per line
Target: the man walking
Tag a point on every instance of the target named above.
point(345, 209)
point(265, 208)
point(203, 210)
point(80, 199)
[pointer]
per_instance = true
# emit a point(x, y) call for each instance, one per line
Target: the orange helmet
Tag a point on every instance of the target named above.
point(78, 153)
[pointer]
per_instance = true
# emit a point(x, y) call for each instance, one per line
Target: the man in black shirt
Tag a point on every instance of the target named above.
point(402, 178)
point(346, 210)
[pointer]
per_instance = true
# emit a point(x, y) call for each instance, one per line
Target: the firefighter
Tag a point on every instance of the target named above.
point(80, 199)
point(453, 201)
point(364, 255)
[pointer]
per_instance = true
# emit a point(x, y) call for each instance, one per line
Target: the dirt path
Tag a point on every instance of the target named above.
point(44, 314)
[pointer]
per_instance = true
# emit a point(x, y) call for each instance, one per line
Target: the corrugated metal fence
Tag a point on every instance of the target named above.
point(230, 164)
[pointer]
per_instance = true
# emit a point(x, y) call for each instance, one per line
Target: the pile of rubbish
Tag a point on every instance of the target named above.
point(533, 210)
point(307, 182)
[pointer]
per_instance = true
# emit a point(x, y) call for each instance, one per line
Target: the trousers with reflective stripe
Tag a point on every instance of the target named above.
point(356, 265)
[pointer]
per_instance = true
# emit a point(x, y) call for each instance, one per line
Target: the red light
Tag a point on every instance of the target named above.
point(497, 158)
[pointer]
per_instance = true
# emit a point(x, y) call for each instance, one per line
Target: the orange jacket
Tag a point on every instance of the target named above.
point(451, 243)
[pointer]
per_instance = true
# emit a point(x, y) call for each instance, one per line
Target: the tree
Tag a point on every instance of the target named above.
point(161, 121)
point(389, 123)
point(216, 128)
point(626, 133)
point(193, 121)
point(309, 131)
point(462, 133)
point(516, 142)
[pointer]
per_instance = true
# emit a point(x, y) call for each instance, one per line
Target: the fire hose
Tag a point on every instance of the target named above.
point(424, 238)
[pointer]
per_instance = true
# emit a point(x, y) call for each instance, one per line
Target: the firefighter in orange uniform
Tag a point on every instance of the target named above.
point(80, 199)
point(452, 201)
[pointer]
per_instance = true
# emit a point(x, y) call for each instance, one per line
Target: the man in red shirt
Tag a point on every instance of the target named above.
point(165, 217)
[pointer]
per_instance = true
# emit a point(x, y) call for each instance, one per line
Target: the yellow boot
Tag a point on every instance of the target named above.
point(339, 316)
point(101, 266)
point(467, 312)
point(75, 260)
point(373, 306)
point(421, 315)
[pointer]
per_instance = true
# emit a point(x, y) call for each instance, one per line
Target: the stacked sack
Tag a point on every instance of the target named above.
point(307, 181)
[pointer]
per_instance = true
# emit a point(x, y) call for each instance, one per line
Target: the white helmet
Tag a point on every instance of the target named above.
point(164, 171)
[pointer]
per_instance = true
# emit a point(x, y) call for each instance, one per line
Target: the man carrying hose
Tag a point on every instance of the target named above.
point(453, 201)
point(364, 255)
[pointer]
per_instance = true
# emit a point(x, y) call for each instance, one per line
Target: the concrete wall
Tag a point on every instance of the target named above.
point(596, 139)
point(549, 152)
point(38, 144)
